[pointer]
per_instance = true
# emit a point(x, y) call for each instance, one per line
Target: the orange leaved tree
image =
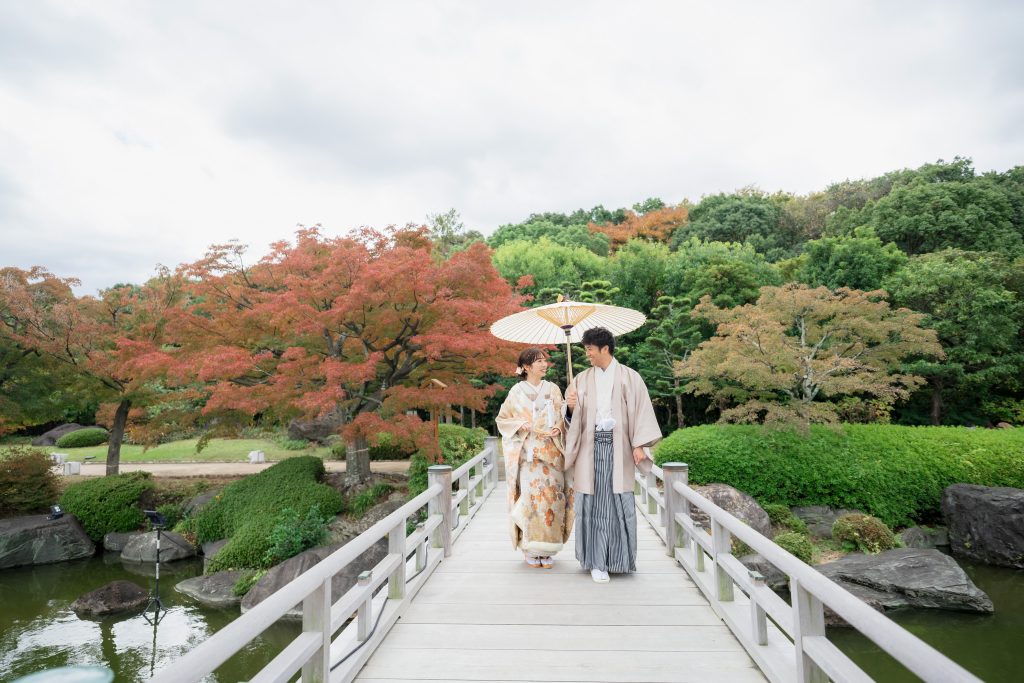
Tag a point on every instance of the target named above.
point(352, 327)
point(116, 340)
point(792, 355)
point(657, 226)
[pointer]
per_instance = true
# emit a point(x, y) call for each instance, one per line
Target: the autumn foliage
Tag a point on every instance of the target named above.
point(788, 358)
point(657, 225)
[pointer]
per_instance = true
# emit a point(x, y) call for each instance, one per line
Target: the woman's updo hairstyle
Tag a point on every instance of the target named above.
point(528, 357)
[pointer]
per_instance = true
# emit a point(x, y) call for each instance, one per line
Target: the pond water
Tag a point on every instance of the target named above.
point(39, 631)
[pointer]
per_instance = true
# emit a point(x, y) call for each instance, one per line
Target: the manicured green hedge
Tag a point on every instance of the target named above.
point(106, 504)
point(894, 473)
point(458, 444)
point(246, 511)
point(83, 438)
point(27, 482)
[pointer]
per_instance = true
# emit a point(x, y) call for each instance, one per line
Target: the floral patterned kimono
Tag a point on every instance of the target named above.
point(540, 502)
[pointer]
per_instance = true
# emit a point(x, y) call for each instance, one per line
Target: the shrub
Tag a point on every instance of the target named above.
point(27, 484)
point(107, 504)
point(895, 473)
point(292, 534)
point(246, 581)
point(389, 448)
point(363, 501)
point(863, 532)
point(82, 438)
point(247, 511)
point(781, 516)
point(458, 444)
point(796, 544)
point(171, 512)
point(293, 444)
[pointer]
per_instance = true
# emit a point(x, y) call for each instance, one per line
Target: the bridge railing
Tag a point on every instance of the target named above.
point(786, 640)
point(367, 611)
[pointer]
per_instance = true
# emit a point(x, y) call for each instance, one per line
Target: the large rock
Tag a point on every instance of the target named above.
point(924, 537)
point(210, 550)
point(820, 518)
point(985, 523)
point(906, 577)
point(214, 590)
point(37, 539)
point(735, 502)
point(118, 596)
point(285, 572)
point(142, 548)
point(50, 437)
point(197, 503)
point(317, 429)
point(344, 528)
point(115, 541)
point(773, 576)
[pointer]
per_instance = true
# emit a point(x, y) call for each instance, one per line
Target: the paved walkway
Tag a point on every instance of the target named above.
point(484, 615)
point(223, 469)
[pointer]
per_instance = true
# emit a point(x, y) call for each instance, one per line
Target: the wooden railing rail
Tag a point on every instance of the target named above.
point(372, 606)
point(786, 640)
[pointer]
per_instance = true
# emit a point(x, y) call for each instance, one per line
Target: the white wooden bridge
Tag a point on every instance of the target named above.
point(453, 602)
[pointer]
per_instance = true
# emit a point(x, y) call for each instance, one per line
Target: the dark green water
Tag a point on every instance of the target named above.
point(39, 631)
point(989, 646)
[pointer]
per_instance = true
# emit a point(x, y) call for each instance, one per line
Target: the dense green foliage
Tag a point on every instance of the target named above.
point(458, 444)
point(107, 504)
point(364, 500)
point(27, 484)
point(291, 534)
point(83, 438)
point(894, 473)
point(247, 511)
point(864, 533)
point(796, 544)
point(782, 516)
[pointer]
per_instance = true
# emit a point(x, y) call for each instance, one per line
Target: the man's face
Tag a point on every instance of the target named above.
point(597, 356)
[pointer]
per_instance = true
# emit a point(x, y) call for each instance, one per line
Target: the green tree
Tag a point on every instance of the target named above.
point(731, 274)
point(747, 216)
point(975, 302)
point(567, 235)
point(639, 271)
point(449, 234)
point(548, 264)
point(860, 261)
point(672, 335)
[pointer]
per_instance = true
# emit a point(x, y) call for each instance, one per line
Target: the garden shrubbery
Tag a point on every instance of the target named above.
point(864, 533)
point(83, 438)
point(458, 444)
point(895, 473)
point(796, 544)
point(248, 511)
point(107, 504)
point(27, 484)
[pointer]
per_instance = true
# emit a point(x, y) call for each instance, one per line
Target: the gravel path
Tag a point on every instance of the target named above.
point(224, 469)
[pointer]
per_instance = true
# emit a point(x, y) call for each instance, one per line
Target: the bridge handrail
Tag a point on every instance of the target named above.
point(322, 615)
point(810, 656)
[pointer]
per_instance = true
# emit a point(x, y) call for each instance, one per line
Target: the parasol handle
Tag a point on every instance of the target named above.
point(568, 356)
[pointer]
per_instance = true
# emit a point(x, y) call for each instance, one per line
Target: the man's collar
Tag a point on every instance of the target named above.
point(611, 366)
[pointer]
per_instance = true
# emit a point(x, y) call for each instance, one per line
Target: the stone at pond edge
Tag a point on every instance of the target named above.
point(115, 541)
point(197, 503)
point(773, 576)
point(117, 596)
point(50, 438)
point(906, 577)
point(985, 523)
point(214, 590)
point(142, 548)
point(924, 537)
point(735, 502)
point(820, 518)
point(36, 539)
point(285, 572)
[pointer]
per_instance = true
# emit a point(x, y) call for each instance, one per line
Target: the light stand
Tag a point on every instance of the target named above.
point(159, 523)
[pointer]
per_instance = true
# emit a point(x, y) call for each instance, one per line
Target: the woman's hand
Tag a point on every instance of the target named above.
point(527, 427)
point(555, 431)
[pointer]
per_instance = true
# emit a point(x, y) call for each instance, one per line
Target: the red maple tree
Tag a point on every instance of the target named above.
point(355, 327)
point(657, 225)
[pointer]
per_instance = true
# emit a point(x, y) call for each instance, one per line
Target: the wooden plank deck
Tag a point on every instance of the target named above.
point(486, 616)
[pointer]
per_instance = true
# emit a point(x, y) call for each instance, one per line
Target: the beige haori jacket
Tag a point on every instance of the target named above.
point(635, 425)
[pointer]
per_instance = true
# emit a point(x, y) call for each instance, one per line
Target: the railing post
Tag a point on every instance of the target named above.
point(482, 478)
point(365, 614)
point(421, 550)
point(316, 617)
point(491, 444)
point(808, 620)
point(758, 619)
point(467, 500)
point(651, 487)
point(442, 505)
point(673, 472)
point(721, 543)
point(698, 552)
point(396, 544)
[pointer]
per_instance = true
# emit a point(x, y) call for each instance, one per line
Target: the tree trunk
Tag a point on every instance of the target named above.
point(357, 460)
point(937, 402)
point(679, 403)
point(472, 418)
point(117, 436)
point(462, 416)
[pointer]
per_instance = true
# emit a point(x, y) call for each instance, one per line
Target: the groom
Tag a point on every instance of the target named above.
point(612, 429)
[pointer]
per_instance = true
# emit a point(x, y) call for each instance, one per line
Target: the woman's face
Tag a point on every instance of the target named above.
point(539, 367)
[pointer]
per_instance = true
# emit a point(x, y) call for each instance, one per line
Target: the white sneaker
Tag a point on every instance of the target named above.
point(599, 576)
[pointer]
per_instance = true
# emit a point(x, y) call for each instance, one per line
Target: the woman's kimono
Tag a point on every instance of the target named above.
point(540, 502)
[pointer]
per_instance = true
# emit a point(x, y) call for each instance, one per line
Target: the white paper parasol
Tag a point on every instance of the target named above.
point(565, 322)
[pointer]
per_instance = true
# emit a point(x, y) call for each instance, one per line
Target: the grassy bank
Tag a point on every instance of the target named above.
point(217, 450)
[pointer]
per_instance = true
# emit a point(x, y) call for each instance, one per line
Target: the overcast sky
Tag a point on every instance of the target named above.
point(136, 133)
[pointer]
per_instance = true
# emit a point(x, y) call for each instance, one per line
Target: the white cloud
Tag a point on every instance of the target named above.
point(139, 133)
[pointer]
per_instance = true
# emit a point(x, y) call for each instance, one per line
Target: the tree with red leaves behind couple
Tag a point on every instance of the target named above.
point(356, 325)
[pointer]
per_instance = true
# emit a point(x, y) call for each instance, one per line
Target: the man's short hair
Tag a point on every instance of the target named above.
point(599, 336)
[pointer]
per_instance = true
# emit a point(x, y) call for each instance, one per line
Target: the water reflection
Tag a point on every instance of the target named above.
point(38, 629)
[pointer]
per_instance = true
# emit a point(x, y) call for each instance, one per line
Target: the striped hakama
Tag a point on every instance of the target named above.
point(606, 521)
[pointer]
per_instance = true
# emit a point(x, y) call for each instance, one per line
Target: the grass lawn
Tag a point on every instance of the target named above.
point(217, 450)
